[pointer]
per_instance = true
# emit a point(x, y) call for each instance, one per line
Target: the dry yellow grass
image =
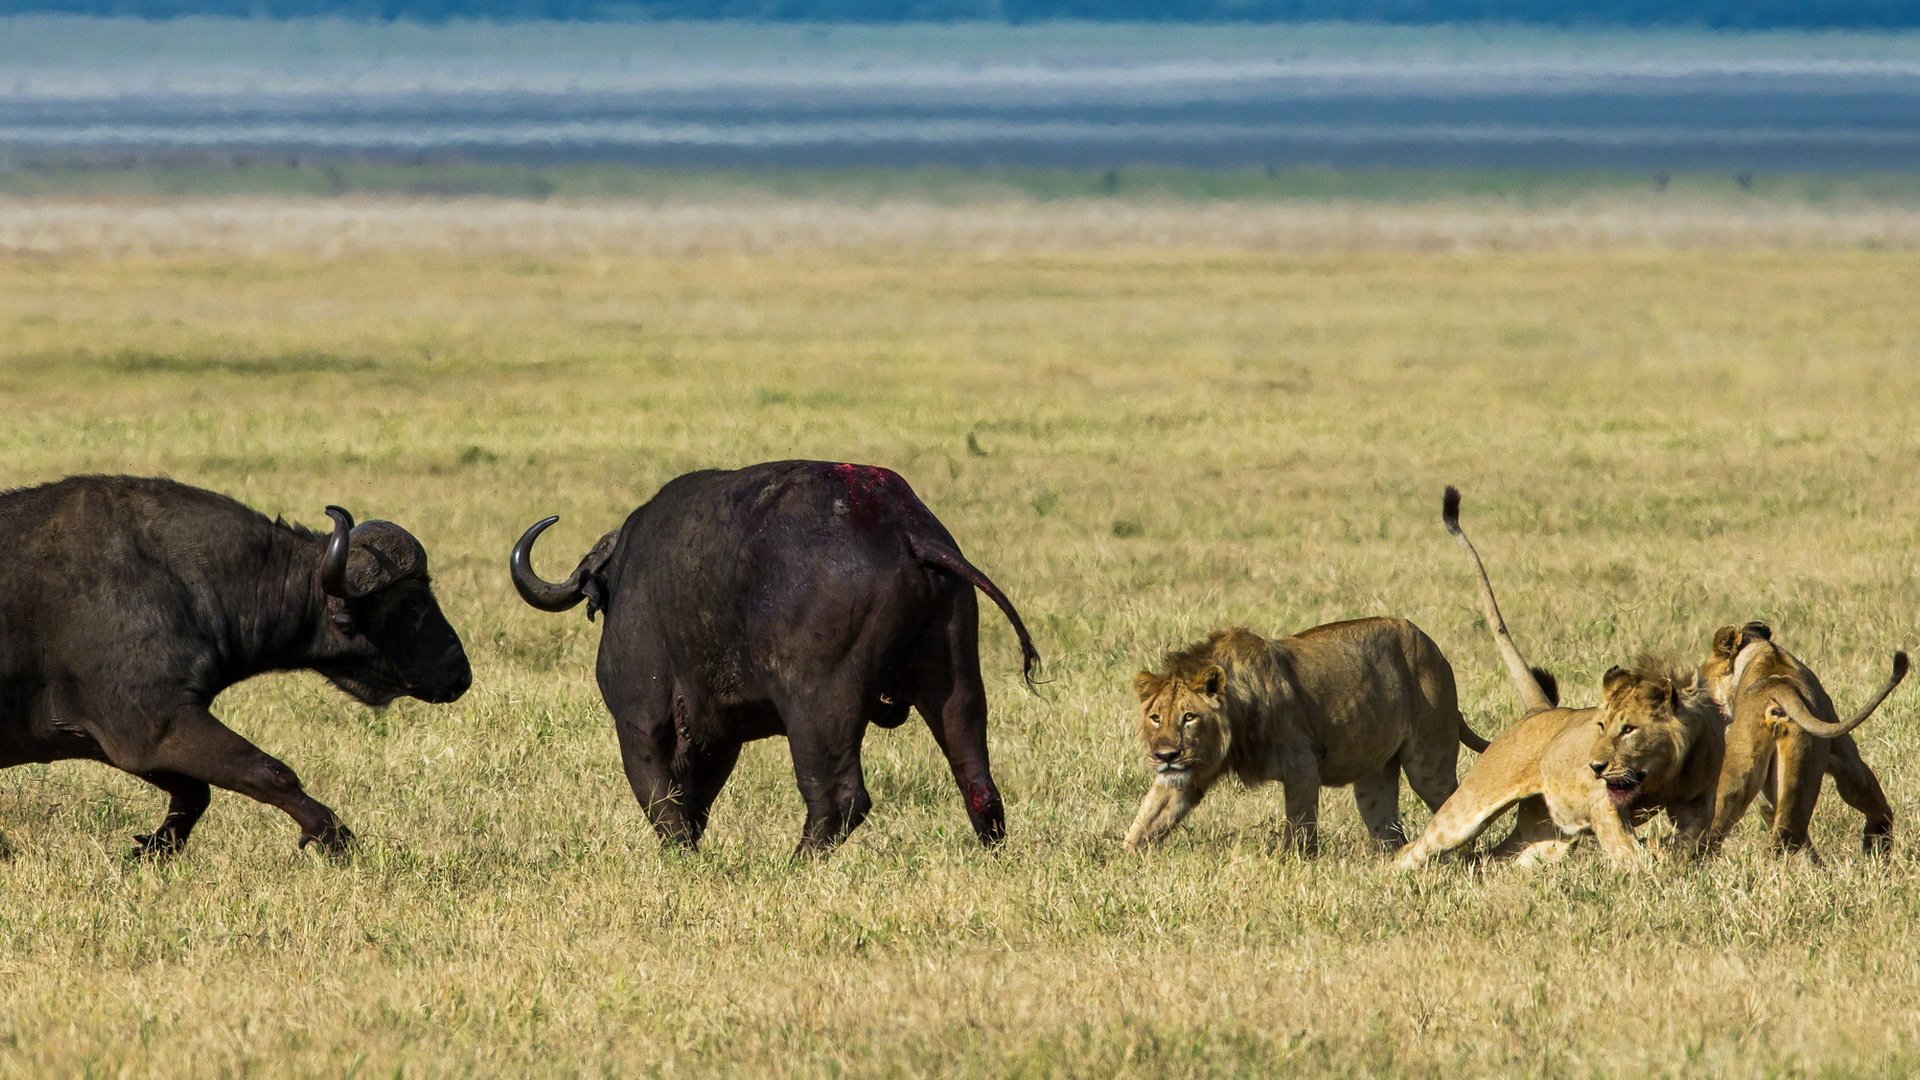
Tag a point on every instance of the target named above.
point(1249, 421)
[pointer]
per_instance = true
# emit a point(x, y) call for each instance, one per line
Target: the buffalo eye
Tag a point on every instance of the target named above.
point(342, 621)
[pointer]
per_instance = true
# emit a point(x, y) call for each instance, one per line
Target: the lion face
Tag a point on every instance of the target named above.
point(1183, 723)
point(1641, 738)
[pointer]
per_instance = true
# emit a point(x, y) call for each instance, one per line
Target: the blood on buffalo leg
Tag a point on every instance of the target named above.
point(199, 747)
point(187, 800)
point(953, 702)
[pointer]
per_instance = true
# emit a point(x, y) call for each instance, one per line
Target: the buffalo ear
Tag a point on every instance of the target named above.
point(1616, 679)
point(1211, 681)
point(1726, 641)
point(1146, 684)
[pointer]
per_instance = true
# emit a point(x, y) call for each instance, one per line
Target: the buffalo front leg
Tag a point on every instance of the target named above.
point(643, 721)
point(197, 747)
point(706, 773)
point(187, 800)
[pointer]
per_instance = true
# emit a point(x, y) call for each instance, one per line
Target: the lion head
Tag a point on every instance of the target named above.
point(1183, 720)
point(1647, 728)
point(1721, 673)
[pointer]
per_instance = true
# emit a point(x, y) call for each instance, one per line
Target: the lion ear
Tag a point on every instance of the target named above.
point(1726, 641)
point(1757, 629)
point(1615, 679)
point(1146, 684)
point(1211, 681)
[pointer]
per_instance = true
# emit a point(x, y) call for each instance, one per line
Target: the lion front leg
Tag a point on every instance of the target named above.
point(1616, 837)
point(1166, 804)
point(1302, 783)
point(1692, 821)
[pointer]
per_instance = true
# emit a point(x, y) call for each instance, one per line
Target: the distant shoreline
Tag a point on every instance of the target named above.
point(968, 96)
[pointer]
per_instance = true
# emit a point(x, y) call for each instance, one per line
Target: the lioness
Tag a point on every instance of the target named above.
point(1653, 744)
point(1782, 734)
point(1355, 702)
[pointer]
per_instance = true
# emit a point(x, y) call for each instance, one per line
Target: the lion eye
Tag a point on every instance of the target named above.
point(1188, 718)
point(1626, 729)
point(1155, 717)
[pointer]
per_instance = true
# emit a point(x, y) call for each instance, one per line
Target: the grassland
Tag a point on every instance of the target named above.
point(1143, 422)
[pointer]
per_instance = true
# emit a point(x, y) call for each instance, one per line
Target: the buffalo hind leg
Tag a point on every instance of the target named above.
point(187, 800)
point(824, 734)
point(953, 701)
point(198, 747)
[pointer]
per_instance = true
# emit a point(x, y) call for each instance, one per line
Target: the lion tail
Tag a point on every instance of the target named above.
point(1532, 694)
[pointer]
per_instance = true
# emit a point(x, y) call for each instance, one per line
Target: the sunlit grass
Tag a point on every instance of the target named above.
point(1140, 433)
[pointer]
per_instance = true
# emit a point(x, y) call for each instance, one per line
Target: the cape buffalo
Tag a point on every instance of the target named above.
point(801, 598)
point(127, 604)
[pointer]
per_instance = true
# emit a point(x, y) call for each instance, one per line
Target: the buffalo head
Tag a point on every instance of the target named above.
point(388, 636)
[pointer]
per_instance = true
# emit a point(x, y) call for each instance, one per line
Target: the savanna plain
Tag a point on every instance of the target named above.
point(1143, 420)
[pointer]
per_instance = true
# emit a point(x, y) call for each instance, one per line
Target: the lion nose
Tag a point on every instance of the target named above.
point(1167, 754)
point(1598, 767)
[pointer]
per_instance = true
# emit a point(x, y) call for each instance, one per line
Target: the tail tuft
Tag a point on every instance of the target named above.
point(1899, 666)
point(1549, 685)
point(1450, 509)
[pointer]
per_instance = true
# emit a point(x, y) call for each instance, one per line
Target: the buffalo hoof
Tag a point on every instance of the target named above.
point(1877, 843)
point(333, 840)
point(157, 845)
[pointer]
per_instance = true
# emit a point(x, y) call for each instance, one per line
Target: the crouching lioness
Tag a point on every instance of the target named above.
point(1654, 743)
point(1355, 702)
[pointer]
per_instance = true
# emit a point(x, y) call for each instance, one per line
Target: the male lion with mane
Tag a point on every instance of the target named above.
point(1356, 702)
point(1653, 744)
point(1782, 735)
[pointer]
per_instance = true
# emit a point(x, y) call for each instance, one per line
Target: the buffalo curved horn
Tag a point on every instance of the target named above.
point(545, 595)
point(333, 565)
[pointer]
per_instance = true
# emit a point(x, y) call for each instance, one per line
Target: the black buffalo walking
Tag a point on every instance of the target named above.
point(128, 604)
point(801, 598)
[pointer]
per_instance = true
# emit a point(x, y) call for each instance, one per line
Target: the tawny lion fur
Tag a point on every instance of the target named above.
point(1653, 744)
point(1782, 736)
point(1355, 702)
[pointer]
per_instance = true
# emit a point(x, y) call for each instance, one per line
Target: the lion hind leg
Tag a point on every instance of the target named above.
point(1458, 822)
point(1800, 762)
point(1860, 788)
point(1532, 824)
point(1378, 798)
point(1543, 853)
